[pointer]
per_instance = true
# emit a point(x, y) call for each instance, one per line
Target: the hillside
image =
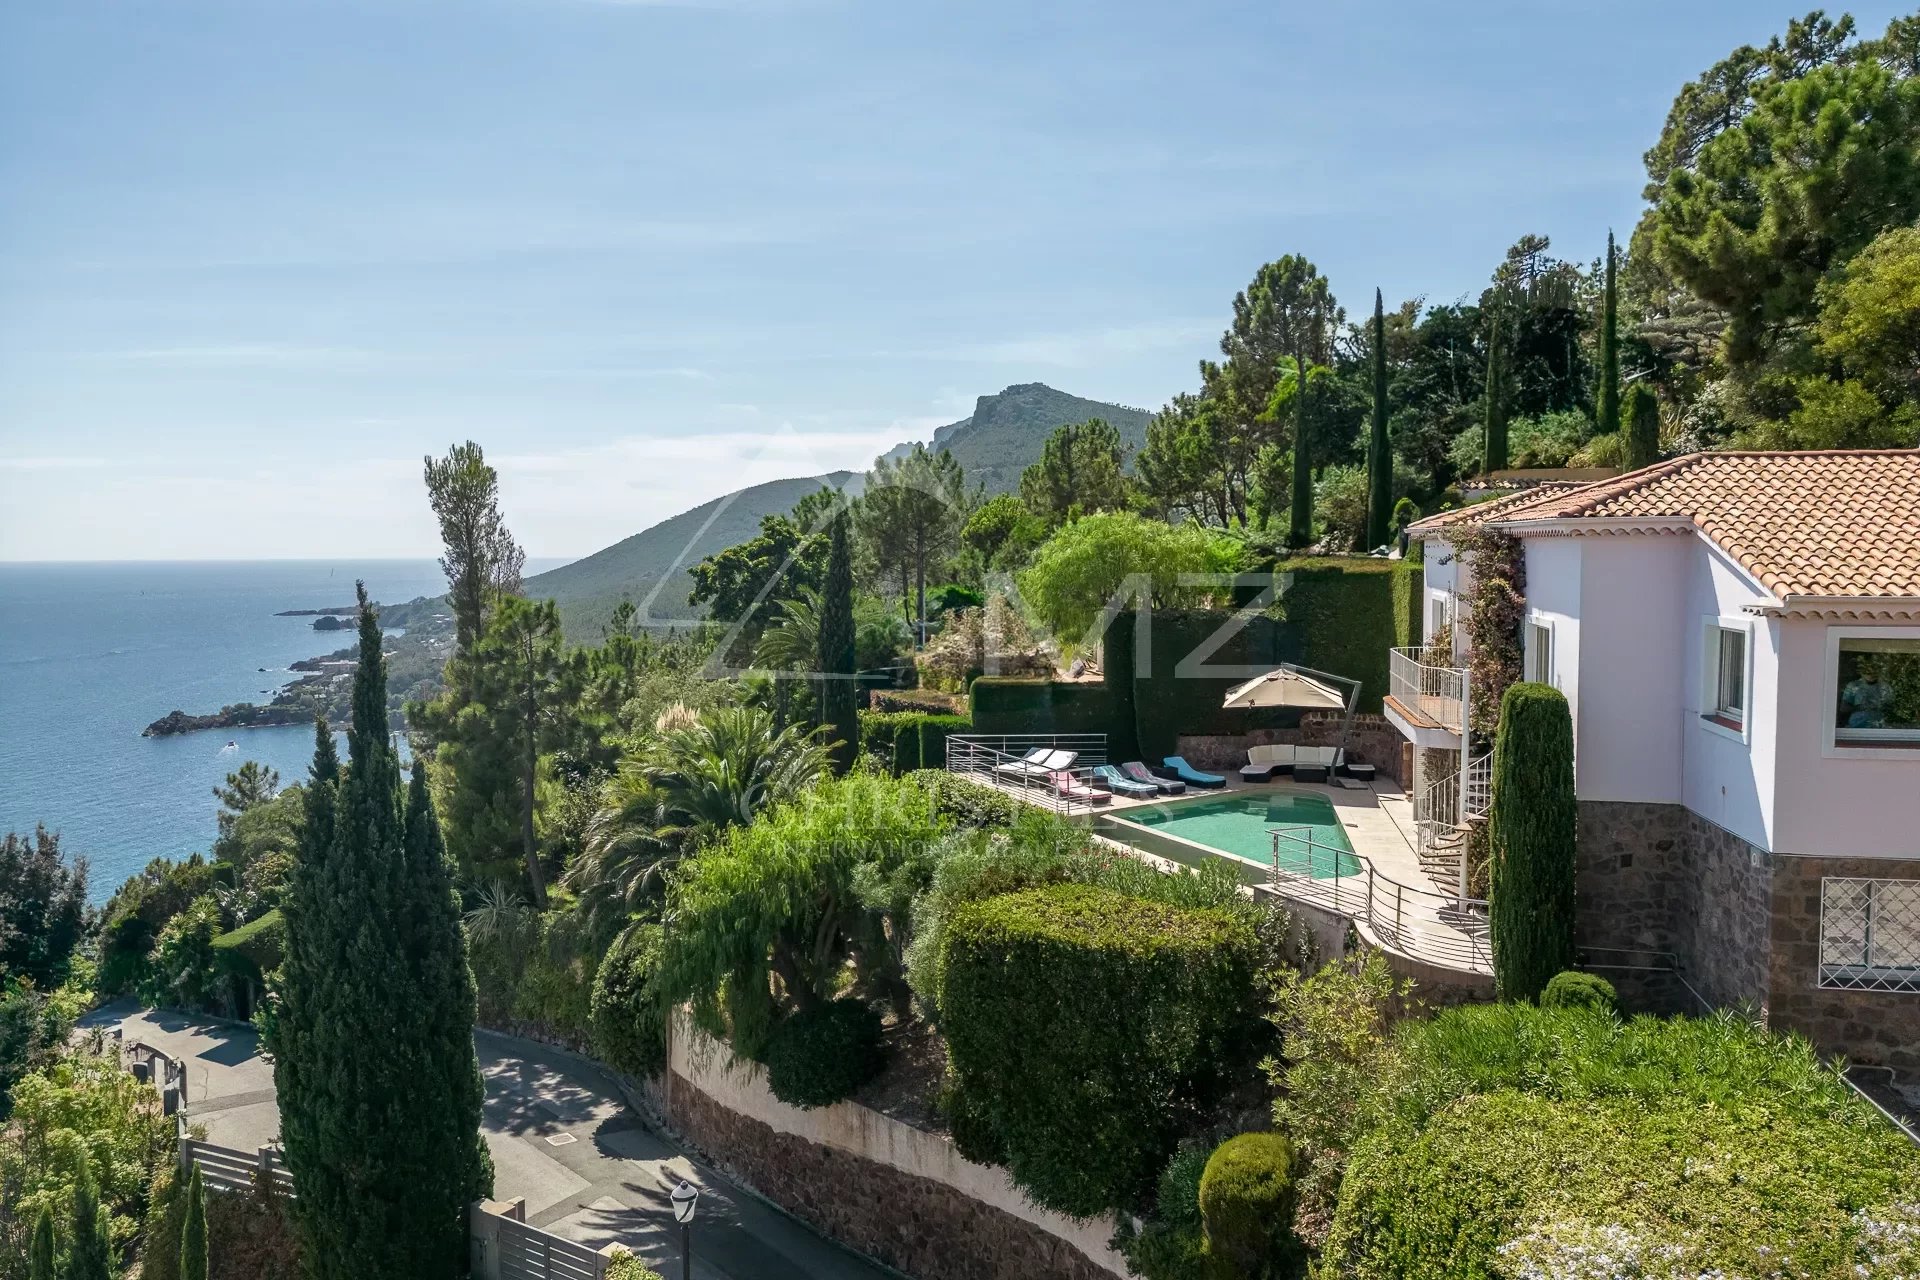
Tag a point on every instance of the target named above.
point(999, 440)
point(587, 590)
point(1003, 435)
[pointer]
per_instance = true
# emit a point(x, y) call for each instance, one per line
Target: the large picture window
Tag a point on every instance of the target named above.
point(1877, 692)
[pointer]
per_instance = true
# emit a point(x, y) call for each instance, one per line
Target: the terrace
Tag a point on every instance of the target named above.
point(1348, 848)
point(1427, 703)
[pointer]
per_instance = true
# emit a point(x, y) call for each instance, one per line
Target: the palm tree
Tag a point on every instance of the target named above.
point(793, 643)
point(694, 781)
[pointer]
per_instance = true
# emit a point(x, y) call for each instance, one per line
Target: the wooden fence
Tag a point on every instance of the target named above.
point(506, 1248)
point(230, 1169)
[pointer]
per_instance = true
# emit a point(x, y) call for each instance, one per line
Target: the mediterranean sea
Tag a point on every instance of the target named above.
point(91, 653)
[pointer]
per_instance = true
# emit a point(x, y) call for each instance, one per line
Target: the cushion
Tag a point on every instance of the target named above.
point(1260, 755)
point(1284, 754)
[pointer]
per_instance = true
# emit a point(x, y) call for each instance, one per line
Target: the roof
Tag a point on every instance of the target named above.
point(1815, 524)
point(1481, 512)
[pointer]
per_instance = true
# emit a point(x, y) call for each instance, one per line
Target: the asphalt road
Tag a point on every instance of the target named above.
point(562, 1138)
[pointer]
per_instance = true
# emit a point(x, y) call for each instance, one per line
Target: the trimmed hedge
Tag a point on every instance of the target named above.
point(1349, 612)
point(255, 949)
point(1081, 1024)
point(629, 1025)
point(1575, 990)
point(1007, 704)
point(626, 1265)
point(934, 730)
point(822, 1055)
point(910, 740)
point(1246, 1207)
point(1166, 699)
point(1531, 831)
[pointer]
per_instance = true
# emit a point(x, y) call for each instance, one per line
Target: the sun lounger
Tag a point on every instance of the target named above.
point(1176, 768)
point(1031, 766)
point(1140, 773)
point(1121, 785)
point(1073, 789)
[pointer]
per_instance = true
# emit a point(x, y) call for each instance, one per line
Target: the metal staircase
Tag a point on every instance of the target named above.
point(1444, 817)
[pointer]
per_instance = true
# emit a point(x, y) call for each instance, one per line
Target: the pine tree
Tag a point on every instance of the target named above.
point(839, 694)
point(1643, 427)
point(1609, 408)
point(41, 1252)
point(1379, 454)
point(193, 1231)
point(1496, 407)
point(91, 1257)
point(374, 1064)
point(1531, 831)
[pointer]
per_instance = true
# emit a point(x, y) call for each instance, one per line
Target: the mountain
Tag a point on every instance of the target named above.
point(1000, 439)
point(1005, 432)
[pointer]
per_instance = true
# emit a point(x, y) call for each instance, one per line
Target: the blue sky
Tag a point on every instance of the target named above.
point(258, 256)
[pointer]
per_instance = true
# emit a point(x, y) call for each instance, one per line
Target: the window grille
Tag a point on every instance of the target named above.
point(1870, 934)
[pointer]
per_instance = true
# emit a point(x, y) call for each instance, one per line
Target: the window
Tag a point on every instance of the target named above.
point(1725, 692)
point(1870, 934)
point(1876, 688)
point(1539, 652)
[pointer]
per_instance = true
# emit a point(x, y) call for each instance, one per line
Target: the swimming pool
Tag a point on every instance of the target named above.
point(1239, 826)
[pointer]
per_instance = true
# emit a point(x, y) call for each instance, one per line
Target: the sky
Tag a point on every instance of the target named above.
point(258, 257)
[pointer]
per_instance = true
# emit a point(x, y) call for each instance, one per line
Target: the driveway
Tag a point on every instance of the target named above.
point(561, 1136)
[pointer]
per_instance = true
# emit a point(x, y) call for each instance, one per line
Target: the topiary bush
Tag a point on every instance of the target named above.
point(629, 1022)
point(822, 1055)
point(1532, 829)
point(1246, 1208)
point(1572, 989)
point(1085, 1025)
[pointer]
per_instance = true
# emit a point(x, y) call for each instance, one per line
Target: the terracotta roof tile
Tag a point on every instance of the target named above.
point(1815, 523)
point(1502, 507)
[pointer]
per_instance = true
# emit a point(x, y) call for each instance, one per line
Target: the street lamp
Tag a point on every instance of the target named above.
point(684, 1197)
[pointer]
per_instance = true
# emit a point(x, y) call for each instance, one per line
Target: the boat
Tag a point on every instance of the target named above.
point(233, 742)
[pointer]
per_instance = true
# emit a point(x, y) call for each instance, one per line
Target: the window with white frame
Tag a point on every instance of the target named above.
point(1539, 656)
point(1876, 690)
point(1870, 934)
point(1724, 687)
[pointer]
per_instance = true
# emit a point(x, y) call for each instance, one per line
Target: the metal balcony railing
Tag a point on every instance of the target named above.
point(1438, 694)
point(1440, 928)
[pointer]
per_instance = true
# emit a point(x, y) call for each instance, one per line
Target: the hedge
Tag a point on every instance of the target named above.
point(629, 1025)
point(1008, 704)
point(934, 731)
point(255, 949)
point(1514, 1184)
point(1081, 1023)
point(910, 740)
point(1348, 613)
point(967, 803)
point(1572, 989)
point(1165, 701)
point(1531, 831)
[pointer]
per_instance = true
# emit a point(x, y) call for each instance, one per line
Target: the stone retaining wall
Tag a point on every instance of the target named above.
point(1878, 1028)
point(896, 1193)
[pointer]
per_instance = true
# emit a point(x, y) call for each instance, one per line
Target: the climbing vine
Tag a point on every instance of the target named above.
point(1496, 606)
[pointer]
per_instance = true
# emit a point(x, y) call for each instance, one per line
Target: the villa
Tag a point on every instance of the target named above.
point(1738, 637)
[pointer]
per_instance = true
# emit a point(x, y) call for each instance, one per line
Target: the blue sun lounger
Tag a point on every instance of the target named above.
point(1120, 784)
point(1175, 767)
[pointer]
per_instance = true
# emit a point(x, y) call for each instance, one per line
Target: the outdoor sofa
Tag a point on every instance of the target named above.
point(1264, 761)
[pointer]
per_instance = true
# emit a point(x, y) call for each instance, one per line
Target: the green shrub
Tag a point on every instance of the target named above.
point(629, 1024)
point(822, 1055)
point(1177, 1200)
point(626, 1265)
point(1515, 1184)
point(1572, 989)
point(1085, 1024)
point(1246, 1207)
point(880, 732)
point(255, 949)
point(1165, 1251)
point(934, 731)
point(1532, 828)
point(966, 803)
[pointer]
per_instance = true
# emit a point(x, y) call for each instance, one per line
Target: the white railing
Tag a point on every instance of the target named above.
point(1440, 928)
point(1478, 800)
point(1437, 693)
point(996, 759)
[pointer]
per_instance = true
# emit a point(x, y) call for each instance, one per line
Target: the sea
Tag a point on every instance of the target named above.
point(92, 653)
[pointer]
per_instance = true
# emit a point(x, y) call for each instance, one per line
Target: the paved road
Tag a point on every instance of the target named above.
point(561, 1137)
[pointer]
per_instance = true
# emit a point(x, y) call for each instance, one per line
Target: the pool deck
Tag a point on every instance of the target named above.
point(1378, 820)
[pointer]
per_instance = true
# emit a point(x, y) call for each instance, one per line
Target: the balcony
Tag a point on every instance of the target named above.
point(1428, 704)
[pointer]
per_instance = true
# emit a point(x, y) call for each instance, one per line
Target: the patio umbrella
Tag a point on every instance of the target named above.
point(1287, 687)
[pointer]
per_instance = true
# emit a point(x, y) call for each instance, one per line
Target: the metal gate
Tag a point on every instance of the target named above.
point(528, 1253)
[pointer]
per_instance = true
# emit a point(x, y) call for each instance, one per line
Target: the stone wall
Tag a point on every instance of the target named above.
point(1372, 740)
point(1721, 921)
point(1880, 1028)
point(1628, 875)
point(874, 1183)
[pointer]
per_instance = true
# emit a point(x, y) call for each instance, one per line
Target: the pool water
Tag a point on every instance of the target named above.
point(1240, 825)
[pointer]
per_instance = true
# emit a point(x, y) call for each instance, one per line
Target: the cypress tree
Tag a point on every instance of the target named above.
point(374, 1065)
point(40, 1252)
point(1643, 427)
point(1496, 409)
point(193, 1231)
point(839, 695)
point(1609, 409)
point(1379, 456)
point(1300, 512)
point(91, 1257)
point(1531, 832)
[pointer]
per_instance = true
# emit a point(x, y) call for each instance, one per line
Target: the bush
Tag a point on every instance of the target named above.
point(183, 973)
point(1177, 1201)
point(1246, 1206)
point(1572, 989)
point(1516, 1184)
point(1087, 1026)
point(934, 731)
point(255, 949)
point(629, 1023)
point(627, 1266)
point(822, 1055)
point(966, 803)
point(1532, 828)
point(880, 731)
